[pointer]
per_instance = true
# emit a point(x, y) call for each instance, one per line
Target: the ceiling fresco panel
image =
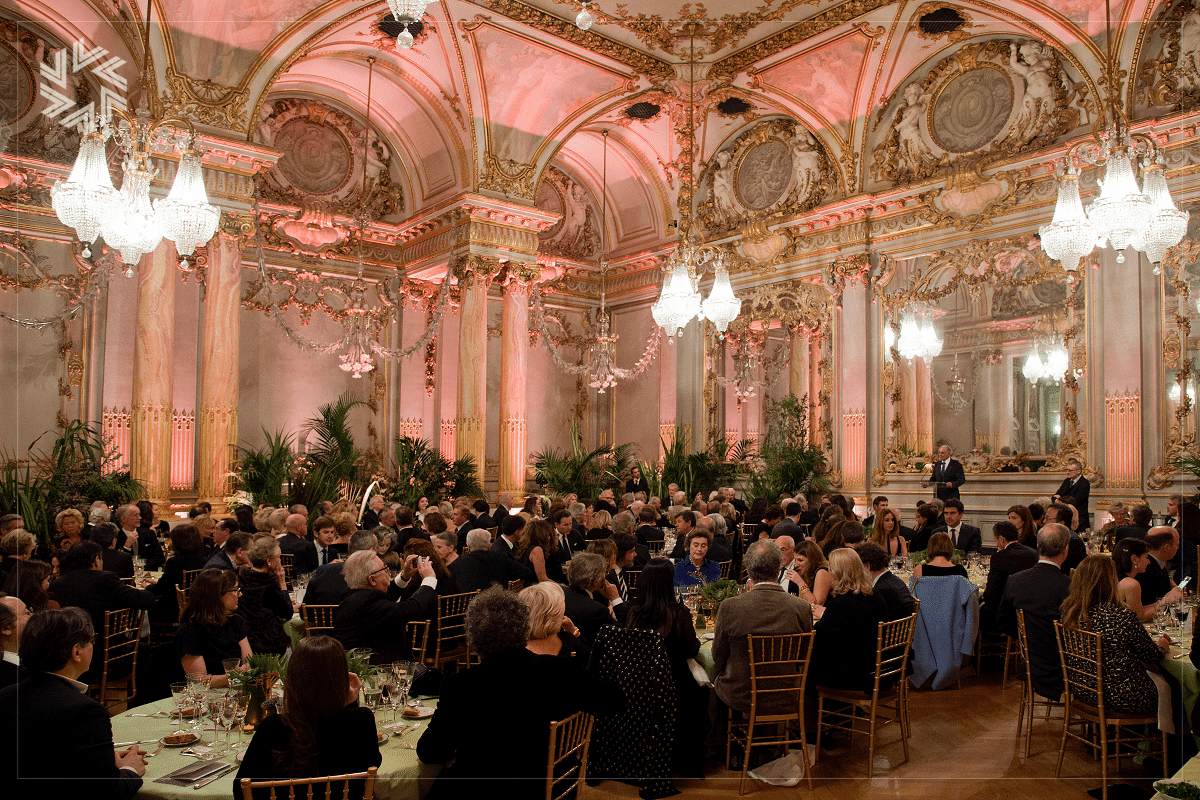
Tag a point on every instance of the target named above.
point(219, 40)
point(825, 79)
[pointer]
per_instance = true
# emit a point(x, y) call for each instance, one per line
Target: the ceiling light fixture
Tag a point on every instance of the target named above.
point(584, 19)
point(406, 12)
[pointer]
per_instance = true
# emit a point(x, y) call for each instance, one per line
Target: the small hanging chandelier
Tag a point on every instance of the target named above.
point(585, 19)
point(1047, 360)
point(406, 12)
point(956, 390)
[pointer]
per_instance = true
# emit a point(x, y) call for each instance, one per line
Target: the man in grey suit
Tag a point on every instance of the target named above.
point(788, 526)
point(765, 610)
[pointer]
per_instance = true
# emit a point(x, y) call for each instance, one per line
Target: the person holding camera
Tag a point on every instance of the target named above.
point(370, 617)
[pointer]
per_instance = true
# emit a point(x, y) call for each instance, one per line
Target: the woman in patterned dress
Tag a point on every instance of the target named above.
point(1128, 651)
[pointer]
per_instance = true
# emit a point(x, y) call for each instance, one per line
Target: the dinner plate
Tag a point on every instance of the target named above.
point(383, 737)
point(184, 740)
point(422, 712)
point(707, 635)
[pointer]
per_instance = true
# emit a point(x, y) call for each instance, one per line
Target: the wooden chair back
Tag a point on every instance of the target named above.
point(452, 628)
point(318, 620)
point(418, 637)
point(569, 739)
point(631, 578)
point(726, 567)
point(516, 586)
point(188, 577)
point(309, 786)
point(892, 649)
point(289, 568)
point(118, 651)
point(778, 672)
point(494, 531)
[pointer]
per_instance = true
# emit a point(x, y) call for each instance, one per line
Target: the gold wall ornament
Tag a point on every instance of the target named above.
point(508, 177)
point(983, 103)
point(801, 307)
point(464, 267)
point(577, 234)
point(773, 171)
point(205, 101)
point(20, 186)
point(237, 226)
point(969, 200)
point(1172, 76)
point(846, 270)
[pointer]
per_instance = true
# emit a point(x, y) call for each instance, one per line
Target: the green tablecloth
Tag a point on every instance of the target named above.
point(1182, 670)
point(294, 628)
point(401, 775)
point(1188, 772)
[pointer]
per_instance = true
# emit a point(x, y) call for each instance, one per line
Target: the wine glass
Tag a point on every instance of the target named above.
point(179, 693)
point(390, 690)
point(372, 691)
point(1181, 615)
point(404, 671)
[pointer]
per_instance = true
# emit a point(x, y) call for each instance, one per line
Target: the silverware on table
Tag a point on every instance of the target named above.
point(214, 776)
point(131, 744)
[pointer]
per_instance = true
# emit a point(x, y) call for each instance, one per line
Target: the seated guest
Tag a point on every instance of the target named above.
point(1156, 583)
point(812, 572)
point(322, 730)
point(209, 631)
point(482, 567)
point(444, 544)
point(939, 553)
point(29, 582)
point(889, 587)
point(847, 632)
point(772, 516)
point(386, 549)
point(1020, 517)
point(152, 519)
point(1118, 512)
point(17, 546)
point(657, 609)
point(719, 549)
point(187, 554)
point(853, 534)
point(327, 587)
point(423, 549)
point(538, 549)
point(1039, 592)
point(324, 532)
point(146, 532)
point(1094, 605)
point(232, 554)
point(647, 531)
point(483, 517)
point(293, 542)
point(65, 736)
point(765, 610)
point(697, 568)
point(963, 537)
point(601, 527)
point(509, 536)
point(569, 542)
point(13, 616)
point(68, 527)
point(588, 612)
point(551, 632)
point(1131, 557)
point(404, 521)
point(886, 531)
point(831, 537)
point(344, 525)
point(118, 562)
point(97, 512)
point(496, 624)
point(624, 558)
point(265, 603)
point(1076, 549)
point(1011, 557)
point(85, 583)
point(368, 617)
point(463, 522)
point(926, 524)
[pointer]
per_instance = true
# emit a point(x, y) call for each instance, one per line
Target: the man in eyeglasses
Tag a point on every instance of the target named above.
point(369, 617)
point(1077, 487)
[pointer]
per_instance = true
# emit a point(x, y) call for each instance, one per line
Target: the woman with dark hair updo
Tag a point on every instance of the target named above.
point(322, 730)
point(1131, 556)
point(209, 631)
point(463, 731)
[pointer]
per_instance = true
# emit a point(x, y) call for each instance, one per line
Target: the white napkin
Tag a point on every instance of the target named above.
point(698, 673)
point(1166, 720)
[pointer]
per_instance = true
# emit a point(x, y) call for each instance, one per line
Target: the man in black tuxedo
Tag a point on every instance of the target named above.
point(463, 523)
point(1156, 580)
point(1011, 557)
point(789, 525)
point(895, 594)
point(13, 616)
point(292, 541)
point(129, 518)
point(483, 519)
point(877, 505)
point(947, 476)
point(570, 542)
point(118, 562)
point(626, 560)
point(1076, 549)
point(504, 502)
point(647, 532)
point(233, 553)
point(85, 583)
point(1039, 591)
point(481, 567)
point(506, 539)
point(369, 617)
point(587, 579)
point(65, 736)
point(327, 587)
point(1139, 525)
point(1079, 489)
point(788, 577)
point(408, 531)
point(370, 519)
point(967, 538)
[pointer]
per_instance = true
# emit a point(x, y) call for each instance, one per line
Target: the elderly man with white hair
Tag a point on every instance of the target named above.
point(368, 617)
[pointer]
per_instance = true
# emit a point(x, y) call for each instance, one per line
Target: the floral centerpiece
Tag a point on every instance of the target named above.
point(262, 672)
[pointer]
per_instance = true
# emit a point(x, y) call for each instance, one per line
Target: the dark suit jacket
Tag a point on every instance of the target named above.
point(66, 736)
point(482, 568)
point(369, 618)
point(370, 520)
point(765, 610)
point(303, 552)
point(1136, 531)
point(97, 591)
point(970, 539)
point(149, 548)
point(1080, 492)
point(345, 743)
point(501, 546)
point(498, 515)
point(1076, 553)
point(896, 596)
point(1038, 591)
point(1155, 581)
point(326, 587)
point(1006, 563)
point(408, 534)
point(220, 560)
point(10, 674)
point(462, 532)
point(485, 521)
point(588, 615)
point(460, 732)
point(953, 474)
point(647, 534)
point(786, 527)
point(117, 562)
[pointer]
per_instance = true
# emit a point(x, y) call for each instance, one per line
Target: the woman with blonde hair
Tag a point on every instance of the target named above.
point(887, 533)
point(1093, 604)
point(68, 526)
point(601, 526)
point(844, 647)
point(551, 632)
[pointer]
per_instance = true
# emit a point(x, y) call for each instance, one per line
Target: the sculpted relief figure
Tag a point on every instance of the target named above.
point(914, 155)
point(1187, 63)
point(1042, 75)
point(722, 188)
point(806, 164)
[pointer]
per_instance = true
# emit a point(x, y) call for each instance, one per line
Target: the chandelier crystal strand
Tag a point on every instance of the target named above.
point(721, 307)
point(584, 19)
point(129, 224)
point(679, 302)
point(87, 192)
point(1121, 210)
point(185, 216)
point(1070, 236)
point(406, 12)
point(1167, 223)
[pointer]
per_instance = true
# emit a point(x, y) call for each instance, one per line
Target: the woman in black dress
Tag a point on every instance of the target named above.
point(265, 603)
point(551, 632)
point(322, 730)
point(188, 554)
point(210, 631)
point(657, 609)
point(1093, 604)
point(537, 549)
point(847, 633)
point(938, 556)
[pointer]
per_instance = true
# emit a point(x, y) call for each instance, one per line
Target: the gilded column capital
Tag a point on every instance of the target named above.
point(847, 270)
point(482, 267)
point(237, 226)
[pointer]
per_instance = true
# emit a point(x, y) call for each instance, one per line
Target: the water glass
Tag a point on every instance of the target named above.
point(179, 693)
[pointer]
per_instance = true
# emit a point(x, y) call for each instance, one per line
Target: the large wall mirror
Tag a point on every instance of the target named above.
point(983, 351)
point(1180, 274)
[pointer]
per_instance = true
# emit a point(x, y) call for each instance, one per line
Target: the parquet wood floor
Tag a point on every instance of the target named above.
point(963, 746)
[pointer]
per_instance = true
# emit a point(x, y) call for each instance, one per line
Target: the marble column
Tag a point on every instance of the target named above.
point(472, 371)
point(514, 356)
point(153, 366)
point(798, 366)
point(216, 422)
point(923, 380)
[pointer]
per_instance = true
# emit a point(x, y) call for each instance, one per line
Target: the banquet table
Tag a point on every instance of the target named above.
point(401, 775)
point(1189, 772)
point(1180, 667)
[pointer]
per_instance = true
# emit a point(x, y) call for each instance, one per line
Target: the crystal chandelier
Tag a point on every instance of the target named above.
point(918, 337)
point(128, 220)
point(585, 19)
point(406, 12)
point(604, 368)
point(679, 301)
point(956, 398)
point(1048, 360)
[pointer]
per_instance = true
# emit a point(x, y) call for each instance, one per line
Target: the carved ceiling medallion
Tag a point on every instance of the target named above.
point(16, 90)
point(971, 110)
point(576, 234)
point(316, 156)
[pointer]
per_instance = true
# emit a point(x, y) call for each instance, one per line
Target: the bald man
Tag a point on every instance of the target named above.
point(789, 579)
point(1157, 586)
point(292, 541)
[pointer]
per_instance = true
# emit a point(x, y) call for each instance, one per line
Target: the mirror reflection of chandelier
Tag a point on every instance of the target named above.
point(956, 396)
point(1123, 215)
point(918, 337)
point(679, 301)
point(1048, 360)
point(1175, 394)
